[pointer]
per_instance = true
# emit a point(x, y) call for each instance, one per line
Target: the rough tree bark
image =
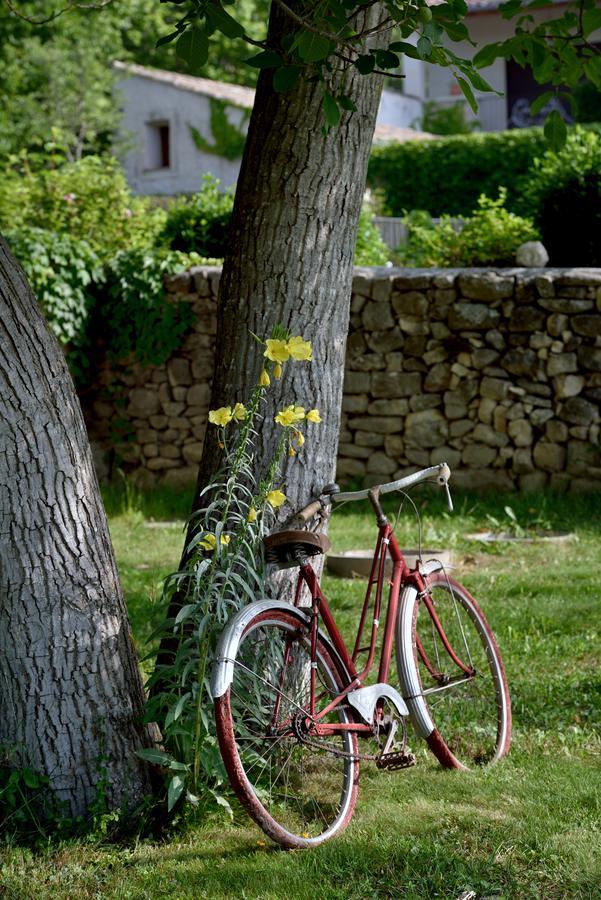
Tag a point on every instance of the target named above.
point(290, 262)
point(70, 689)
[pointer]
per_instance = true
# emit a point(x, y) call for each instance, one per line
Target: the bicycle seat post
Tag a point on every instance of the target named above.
point(374, 499)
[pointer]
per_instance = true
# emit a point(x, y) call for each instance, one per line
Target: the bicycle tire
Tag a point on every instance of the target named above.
point(464, 718)
point(299, 794)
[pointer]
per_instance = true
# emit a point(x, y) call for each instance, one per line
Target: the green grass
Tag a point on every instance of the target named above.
point(528, 828)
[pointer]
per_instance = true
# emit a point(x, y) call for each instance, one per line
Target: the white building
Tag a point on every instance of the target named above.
point(175, 125)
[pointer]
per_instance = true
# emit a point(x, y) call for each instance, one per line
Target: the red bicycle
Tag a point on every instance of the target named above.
point(292, 701)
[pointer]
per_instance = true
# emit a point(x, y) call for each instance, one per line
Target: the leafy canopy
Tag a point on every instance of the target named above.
point(327, 38)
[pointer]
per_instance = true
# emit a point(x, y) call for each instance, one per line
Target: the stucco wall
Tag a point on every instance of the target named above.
point(496, 372)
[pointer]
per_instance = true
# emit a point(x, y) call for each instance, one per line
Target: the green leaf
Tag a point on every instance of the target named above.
point(424, 47)
point(477, 81)
point(174, 791)
point(331, 110)
point(386, 59)
point(30, 778)
point(285, 78)
point(193, 47)
point(266, 59)
point(541, 100)
point(487, 55)
point(157, 757)
point(346, 103)
point(591, 20)
point(223, 22)
point(185, 612)
point(365, 64)
point(467, 93)
point(405, 48)
point(167, 38)
point(312, 47)
point(555, 130)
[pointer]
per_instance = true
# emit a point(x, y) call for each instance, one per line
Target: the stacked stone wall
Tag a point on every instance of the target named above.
point(496, 372)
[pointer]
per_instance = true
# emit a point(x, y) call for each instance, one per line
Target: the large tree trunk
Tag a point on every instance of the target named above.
point(290, 262)
point(70, 689)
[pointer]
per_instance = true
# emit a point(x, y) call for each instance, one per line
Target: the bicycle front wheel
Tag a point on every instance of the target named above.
point(452, 676)
point(300, 789)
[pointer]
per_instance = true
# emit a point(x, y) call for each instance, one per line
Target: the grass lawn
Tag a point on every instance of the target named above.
point(528, 828)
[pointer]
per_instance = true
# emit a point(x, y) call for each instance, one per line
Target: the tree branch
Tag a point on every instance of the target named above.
point(72, 4)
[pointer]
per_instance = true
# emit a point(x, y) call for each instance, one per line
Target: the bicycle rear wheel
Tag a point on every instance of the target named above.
point(452, 675)
point(300, 790)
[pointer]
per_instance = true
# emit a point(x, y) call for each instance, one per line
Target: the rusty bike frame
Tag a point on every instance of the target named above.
point(402, 576)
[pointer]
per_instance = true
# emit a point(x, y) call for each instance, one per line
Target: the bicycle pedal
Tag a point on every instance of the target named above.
point(396, 760)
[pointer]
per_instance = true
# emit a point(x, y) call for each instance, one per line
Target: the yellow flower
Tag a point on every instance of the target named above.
point(277, 371)
point(221, 416)
point(299, 437)
point(239, 412)
point(290, 415)
point(291, 451)
point(252, 514)
point(313, 416)
point(277, 351)
point(209, 541)
point(298, 348)
point(275, 498)
point(264, 379)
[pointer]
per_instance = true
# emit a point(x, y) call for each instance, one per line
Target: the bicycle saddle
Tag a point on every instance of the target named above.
point(284, 547)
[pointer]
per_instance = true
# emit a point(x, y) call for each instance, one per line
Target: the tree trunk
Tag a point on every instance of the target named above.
point(70, 689)
point(290, 262)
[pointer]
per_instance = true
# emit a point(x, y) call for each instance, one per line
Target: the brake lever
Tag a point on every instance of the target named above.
point(449, 498)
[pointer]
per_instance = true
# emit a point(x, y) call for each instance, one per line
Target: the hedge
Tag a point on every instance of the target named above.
point(448, 175)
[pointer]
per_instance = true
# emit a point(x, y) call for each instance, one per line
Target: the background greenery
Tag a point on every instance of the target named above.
point(528, 828)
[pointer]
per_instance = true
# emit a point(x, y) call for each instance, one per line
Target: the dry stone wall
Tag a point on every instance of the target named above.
point(496, 372)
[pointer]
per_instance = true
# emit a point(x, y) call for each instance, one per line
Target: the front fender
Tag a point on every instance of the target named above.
point(227, 648)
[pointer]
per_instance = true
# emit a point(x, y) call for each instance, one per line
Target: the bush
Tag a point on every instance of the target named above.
point(488, 238)
point(439, 119)
point(200, 223)
point(448, 175)
point(64, 273)
point(370, 249)
point(563, 195)
point(89, 199)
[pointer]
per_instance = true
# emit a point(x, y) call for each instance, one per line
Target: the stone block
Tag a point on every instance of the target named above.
point(410, 303)
point(415, 345)
point(447, 454)
point(380, 464)
point(178, 284)
point(178, 372)
point(352, 450)
point(160, 462)
point(472, 316)
point(578, 411)
point(417, 456)
point(486, 408)
point(478, 455)
point(560, 363)
point(520, 361)
point(375, 424)
point(149, 450)
point(394, 446)
point(556, 431)
point(589, 358)
point(377, 316)
point(427, 428)
point(589, 326)
point(495, 339)
point(412, 281)
point(438, 377)
point(369, 439)
point(381, 289)
point(520, 432)
point(412, 325)
point(435, 356)
point(488, 286)
point(550, 457)
point(143, 403)
point(522, 461)
point(484, 434)
point(350, 468)
point(202, 367)
point(533, 482)
point(367, 362)
point(192, 452)
point(460, 427)
point(388, 407)
point(483, 480)
point(396, 384)
point(568, 385)
point(354, 403)
point(356, 382)
point(527, 318)
point(424, 401)
point(385, 341)
point(180, 477)
point(495, 388)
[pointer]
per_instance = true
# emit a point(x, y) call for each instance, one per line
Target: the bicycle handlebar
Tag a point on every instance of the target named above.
point(441, 472)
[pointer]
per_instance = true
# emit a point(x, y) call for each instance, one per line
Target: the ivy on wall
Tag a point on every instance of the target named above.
point(229, 138)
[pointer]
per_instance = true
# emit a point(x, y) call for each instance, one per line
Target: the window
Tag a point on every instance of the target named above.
point(158, 149)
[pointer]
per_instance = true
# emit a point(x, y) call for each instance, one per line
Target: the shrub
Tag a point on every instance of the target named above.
point(200, 223)
point(64, 273)
point(89, 199)
point(490, 237)
point(563, 195)
point(438, 119)
point(448, 175)
point(370, 249)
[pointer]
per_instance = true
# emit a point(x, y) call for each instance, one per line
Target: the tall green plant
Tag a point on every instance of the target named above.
point(225, 569)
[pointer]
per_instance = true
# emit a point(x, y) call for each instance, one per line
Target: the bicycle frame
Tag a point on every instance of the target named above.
point(402, 576)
